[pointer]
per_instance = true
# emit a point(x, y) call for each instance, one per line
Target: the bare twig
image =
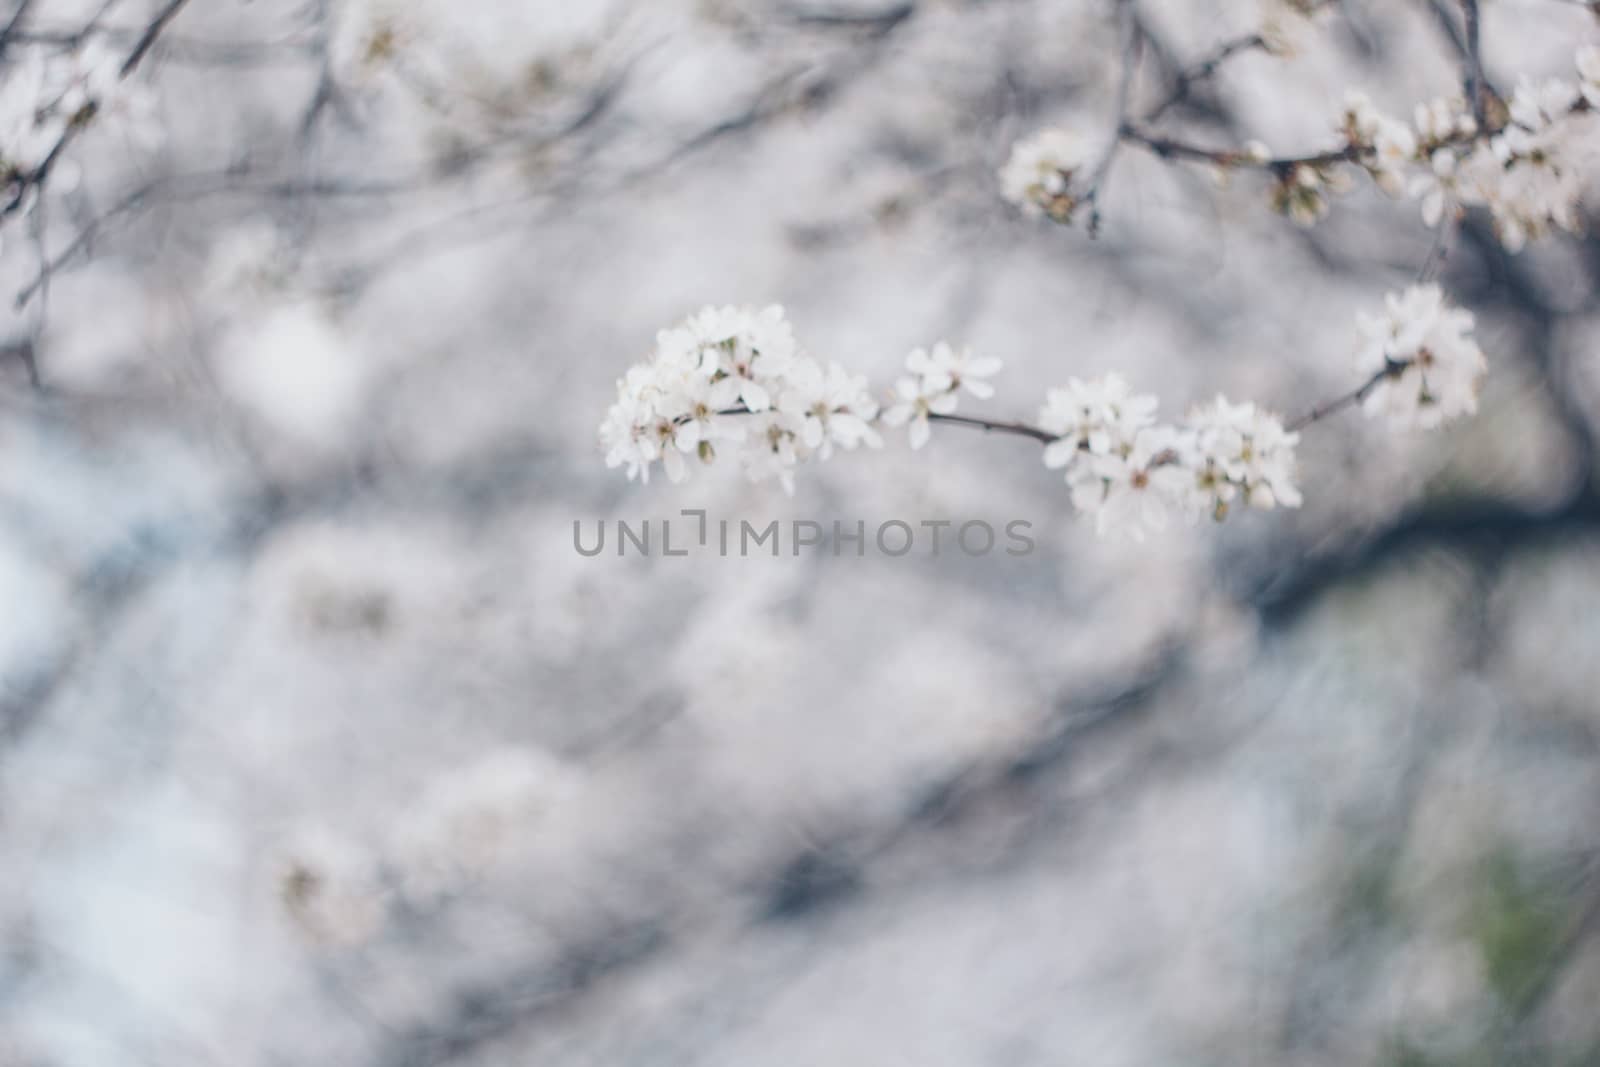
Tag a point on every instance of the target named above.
point(1020, 429)
point(1390, 369)
point(1128, 31)
point(1185, 80)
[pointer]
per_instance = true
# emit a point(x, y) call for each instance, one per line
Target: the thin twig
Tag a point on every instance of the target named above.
point(1020, 429)
point(1185, 80)
point(1128, 30)
point(1339, 403)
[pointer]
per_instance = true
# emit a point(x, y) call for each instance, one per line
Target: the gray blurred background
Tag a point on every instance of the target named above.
point(319, 743)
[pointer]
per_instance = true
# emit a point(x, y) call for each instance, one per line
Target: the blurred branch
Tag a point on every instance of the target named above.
point(1129, 32)
point(151, 33)
point(28, 183)
point(1466, 42)
point(1184, 82)
point(13, 24)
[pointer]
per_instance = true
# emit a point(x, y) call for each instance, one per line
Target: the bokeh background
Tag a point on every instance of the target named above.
point(319, 743)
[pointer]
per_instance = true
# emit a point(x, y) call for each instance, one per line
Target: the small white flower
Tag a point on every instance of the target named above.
point(1434, 366)
point(962, 370)
point(1444, 119)
point(1302, 195)
point(1436, 187)
point(829, 408)
point(1100, 416)
point(917, 397)
point(1536, 104)
point(1239, 449)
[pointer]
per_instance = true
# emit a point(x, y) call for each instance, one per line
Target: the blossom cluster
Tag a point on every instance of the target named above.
point(1420, 353)
point(733, 380)
point(1527, 171)
point(932, 386)
point(44, 94)
point(1525, 164)
point(1129, 471)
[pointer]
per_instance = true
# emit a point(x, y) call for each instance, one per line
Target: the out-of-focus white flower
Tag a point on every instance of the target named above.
point(1038, 176)
point(1392, 144)
point(252, 262)
point(1286, 25)
point(1536, 104)
point(1302, 195)
point(1530, 176)
point(465, 820)
point(1436, 187)
point(1239, 449)
point(1435, 368)
point(1444, 119)
point(330, 887)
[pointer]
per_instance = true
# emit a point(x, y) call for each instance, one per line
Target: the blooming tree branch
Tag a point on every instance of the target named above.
point(736, 380)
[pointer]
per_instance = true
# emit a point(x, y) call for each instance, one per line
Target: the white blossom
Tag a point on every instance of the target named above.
point(1391, 143)
point(918, 395)
point(827, 408)
point(1443, 120)
point(1239, 449)
point(1100, 417)
point(1434, 367)
point(1302, 195)
point(1038, 176)
point(1437, 187)
point(1136, 489)
point(961, 368)
point(734, 379)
